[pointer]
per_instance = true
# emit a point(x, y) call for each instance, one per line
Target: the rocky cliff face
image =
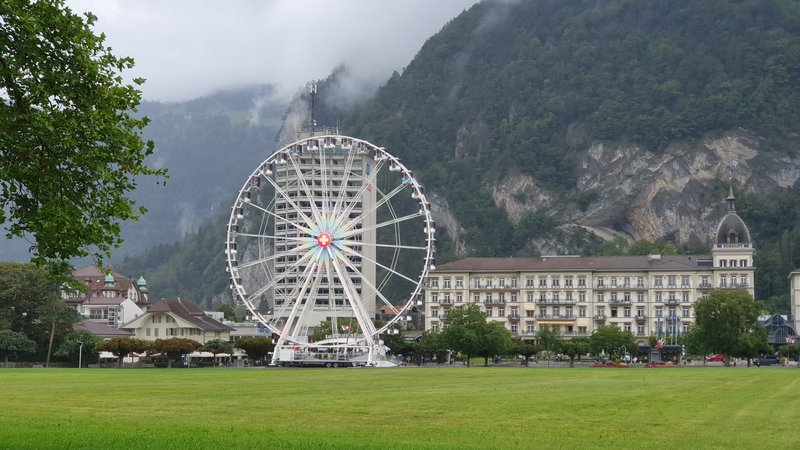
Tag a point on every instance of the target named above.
point(678, 193)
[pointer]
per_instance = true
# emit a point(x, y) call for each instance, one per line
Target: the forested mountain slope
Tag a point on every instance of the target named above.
point(550, 125)
point(538, 125)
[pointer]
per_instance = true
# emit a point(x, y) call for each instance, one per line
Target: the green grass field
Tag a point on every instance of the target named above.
point(518, 407)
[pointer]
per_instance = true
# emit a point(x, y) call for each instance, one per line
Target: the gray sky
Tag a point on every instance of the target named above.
point(186, 49)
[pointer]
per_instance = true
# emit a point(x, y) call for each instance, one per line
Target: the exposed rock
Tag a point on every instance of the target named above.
point(676, 194)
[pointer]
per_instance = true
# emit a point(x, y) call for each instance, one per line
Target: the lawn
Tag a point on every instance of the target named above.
point(499, 407)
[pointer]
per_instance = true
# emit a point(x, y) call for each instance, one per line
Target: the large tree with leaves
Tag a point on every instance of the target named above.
point(30, 303)
point(14, 342)
point(726, 322)
point(611, 340)
point(122, 346)
point(174, 348)
point(467, 331)
point(255, 347)
point(79, 346)
point(70, 146)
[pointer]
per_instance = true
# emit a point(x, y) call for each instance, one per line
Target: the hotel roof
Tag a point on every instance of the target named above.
point(578, 263)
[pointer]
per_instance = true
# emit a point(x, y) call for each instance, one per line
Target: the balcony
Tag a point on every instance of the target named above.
point(641, 318)
point(600, 317)
point(514, 317)
point(571, 334)
point(704, 286)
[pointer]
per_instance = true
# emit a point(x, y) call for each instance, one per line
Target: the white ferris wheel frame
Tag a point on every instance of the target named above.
point(328, 242)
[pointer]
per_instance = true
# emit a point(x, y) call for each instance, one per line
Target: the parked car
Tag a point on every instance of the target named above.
point(715, 358)
point(767, 360)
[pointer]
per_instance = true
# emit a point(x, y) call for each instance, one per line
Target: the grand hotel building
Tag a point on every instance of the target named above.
point(646, 295)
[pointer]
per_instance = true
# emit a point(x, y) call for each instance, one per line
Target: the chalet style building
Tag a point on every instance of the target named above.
point(177, 318)
point(110, 298)
point(646, 295)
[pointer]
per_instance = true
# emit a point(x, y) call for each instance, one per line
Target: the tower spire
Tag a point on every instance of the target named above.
point(731, 198)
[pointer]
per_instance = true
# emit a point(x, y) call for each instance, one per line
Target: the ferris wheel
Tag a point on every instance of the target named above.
point(328, 245)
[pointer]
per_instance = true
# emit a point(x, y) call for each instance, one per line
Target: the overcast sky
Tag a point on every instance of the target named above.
point(186, 49)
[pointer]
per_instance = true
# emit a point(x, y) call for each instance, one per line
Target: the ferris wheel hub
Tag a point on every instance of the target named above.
point(324, 239)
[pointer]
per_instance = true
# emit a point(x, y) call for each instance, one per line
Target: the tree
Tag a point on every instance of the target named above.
point(789, 350)
point(495, 340)
point(575, 347)
point(76, 342)
point(726, 322)
point(255, 347)
point(30, 303)
point(174, 348)
point(464, 329)
point(527, 349)
point(611, 340)
point(549, 338)
point(71, 148)
point(122, 346)
point(217, 346)
point(467, 331)
point(396, 342)
point(324, 329)
point(15, 342)
point(60, 316)
point(227, 311)
point(430, 344)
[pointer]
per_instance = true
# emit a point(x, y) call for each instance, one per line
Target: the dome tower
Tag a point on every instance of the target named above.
point(732, 251)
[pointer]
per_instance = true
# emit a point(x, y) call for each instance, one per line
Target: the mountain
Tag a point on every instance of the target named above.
point(597, 119)
point(210, 145)
point(555, 126)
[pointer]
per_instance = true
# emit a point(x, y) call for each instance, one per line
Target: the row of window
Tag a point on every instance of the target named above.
point(157, 318)
point(570, 330)
point(568, 312)
point(658, 281)
point(173, 332)
point(568, 297)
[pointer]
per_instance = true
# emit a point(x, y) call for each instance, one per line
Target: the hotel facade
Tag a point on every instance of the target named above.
point(646, 295)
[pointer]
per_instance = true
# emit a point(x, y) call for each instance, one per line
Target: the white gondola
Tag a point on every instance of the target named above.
point(246, 196)
point(394, 167)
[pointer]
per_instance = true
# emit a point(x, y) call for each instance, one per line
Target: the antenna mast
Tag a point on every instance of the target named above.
point(312, 88)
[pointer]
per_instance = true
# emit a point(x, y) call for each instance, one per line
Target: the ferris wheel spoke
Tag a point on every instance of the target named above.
point(278, 278)
point(375, 207)
point(356, 254)
point(291, 202)
point(274, 256)
point(284, 219)
point(365, 280)
point(301, 325)
point(298, 302)
point(342, 196)
point(355, 302)
point(269, 236)
point(356, 231)
point(369, 183)
point(309, 193)
point(351, 243)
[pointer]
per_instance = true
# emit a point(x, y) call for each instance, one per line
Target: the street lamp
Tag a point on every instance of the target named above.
point(80, 354)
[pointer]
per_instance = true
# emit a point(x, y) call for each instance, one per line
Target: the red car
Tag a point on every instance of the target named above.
point(717, 358)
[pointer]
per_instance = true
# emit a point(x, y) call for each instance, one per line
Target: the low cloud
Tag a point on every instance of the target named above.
point(186, 49)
